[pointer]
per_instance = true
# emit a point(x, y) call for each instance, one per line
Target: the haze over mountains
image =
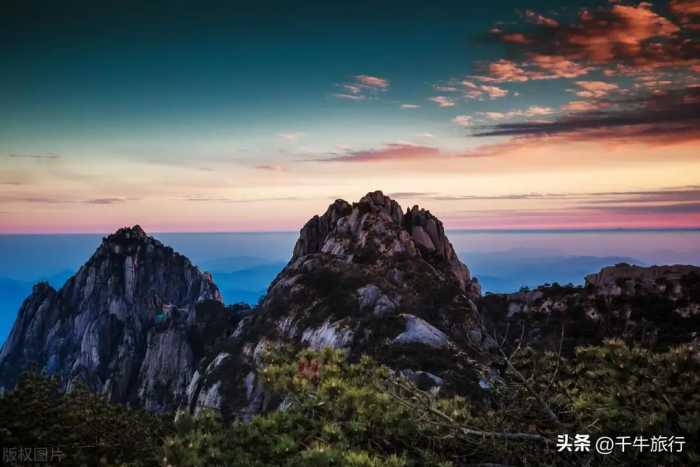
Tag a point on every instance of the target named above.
point(504, 261)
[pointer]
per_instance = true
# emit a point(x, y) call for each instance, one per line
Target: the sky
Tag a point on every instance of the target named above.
point(220, 116)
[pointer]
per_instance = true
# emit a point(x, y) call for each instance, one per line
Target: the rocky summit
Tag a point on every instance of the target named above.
point(122, 324)
point(366, 278)
point(141, 324)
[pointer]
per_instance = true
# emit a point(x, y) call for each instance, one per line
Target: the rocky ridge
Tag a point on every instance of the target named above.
point(655, 306)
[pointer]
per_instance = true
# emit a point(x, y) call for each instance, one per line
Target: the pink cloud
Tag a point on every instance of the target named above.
point(558, 66)
point(580, 106)
point(595, 89)
point(373, 81)
point(477, 91)
point(442, 101)
point(506, 70)
point(362, 87)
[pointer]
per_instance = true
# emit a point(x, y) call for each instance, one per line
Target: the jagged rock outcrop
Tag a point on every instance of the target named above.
point(654, 306)
point(366, 278)
point(124, 324)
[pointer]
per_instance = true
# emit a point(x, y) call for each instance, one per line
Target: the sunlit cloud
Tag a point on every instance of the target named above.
point(442, 101)
point(477, 91)
point(362, 87)
point(595, 89)
point(532, 111)
point(372, 81)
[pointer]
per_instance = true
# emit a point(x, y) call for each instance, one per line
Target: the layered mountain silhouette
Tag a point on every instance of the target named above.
point(142, 325)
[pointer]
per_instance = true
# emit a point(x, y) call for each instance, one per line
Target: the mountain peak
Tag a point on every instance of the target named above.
point(120, 324)
point(128, 233)
point(375, 229)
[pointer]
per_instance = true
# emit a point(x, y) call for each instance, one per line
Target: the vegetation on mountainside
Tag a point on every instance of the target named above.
point(362, 414)
point(77, 427)
point(339, 413)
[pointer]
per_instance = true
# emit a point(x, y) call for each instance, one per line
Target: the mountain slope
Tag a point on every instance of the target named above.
point(122, 323)
point(366, 278)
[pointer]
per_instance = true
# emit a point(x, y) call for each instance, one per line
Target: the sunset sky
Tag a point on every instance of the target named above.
point(213, 116)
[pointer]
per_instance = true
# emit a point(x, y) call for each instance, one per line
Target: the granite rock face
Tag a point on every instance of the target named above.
point(122, 324)
point(366, 278)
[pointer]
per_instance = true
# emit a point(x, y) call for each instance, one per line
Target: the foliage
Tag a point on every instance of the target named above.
point(337, 413)
point(81, 425)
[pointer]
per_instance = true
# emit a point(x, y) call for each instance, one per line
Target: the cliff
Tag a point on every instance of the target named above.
point(122, 324)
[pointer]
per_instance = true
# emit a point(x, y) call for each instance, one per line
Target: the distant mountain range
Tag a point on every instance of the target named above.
point(508, 271)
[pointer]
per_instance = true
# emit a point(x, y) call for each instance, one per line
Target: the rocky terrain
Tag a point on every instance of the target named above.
point(124, 324)
point(369, 279)
point(141, 324)
point(654, 306)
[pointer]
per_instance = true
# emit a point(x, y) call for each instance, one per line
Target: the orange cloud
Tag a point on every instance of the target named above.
point(557, 66)
point(595, 89)
point(476, 91)
point(516, 38)
point(617, 38)
point(581, 106)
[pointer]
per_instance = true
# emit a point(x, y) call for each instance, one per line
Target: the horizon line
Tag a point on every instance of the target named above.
point(457, 230)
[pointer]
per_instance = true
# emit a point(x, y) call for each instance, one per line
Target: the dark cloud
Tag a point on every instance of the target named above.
point(270, 168)
point(677, 208)
point(199, 199)
point(661, 196)
point(105, 201)
point(61, 200)
point(389, 152)
point(592, 200)
point(664, 117)
point(410, 195)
